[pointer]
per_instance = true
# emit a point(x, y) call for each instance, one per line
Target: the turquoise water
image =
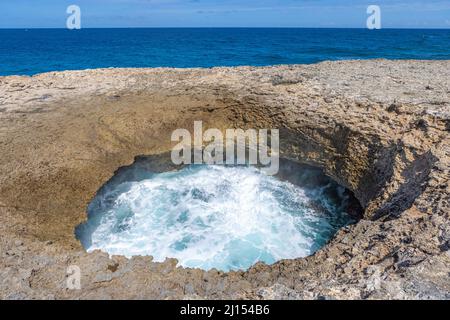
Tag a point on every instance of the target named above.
point(39, 50)
point(220, 217)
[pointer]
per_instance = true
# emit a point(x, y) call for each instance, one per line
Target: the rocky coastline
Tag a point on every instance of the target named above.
point(380, 128)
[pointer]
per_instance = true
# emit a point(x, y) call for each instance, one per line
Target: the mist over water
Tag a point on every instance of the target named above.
point(220, 217)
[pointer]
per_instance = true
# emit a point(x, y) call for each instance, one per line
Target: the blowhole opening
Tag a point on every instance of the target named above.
point(214, 216)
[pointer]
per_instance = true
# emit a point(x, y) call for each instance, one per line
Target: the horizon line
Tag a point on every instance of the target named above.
point(240, 27)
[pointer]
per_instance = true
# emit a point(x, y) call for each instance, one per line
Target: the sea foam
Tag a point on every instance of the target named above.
point(220, 217)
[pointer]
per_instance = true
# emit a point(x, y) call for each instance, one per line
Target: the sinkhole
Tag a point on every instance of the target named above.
point(211, 216)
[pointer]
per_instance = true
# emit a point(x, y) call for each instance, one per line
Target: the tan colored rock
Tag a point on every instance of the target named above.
point(380, 128)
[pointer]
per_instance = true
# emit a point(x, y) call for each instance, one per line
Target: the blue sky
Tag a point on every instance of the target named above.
point(224, 13)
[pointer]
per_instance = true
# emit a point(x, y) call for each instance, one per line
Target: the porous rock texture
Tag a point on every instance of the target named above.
point(380, 128)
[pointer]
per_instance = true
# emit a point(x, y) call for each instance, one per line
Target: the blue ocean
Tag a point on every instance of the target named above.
point(28, 52)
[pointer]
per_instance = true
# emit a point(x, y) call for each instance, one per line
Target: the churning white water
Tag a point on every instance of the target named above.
point(207, 217)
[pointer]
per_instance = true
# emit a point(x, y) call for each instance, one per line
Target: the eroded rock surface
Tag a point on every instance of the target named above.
point(380, 128)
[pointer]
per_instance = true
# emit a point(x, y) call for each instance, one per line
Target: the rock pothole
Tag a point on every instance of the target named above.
point(54, 162)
